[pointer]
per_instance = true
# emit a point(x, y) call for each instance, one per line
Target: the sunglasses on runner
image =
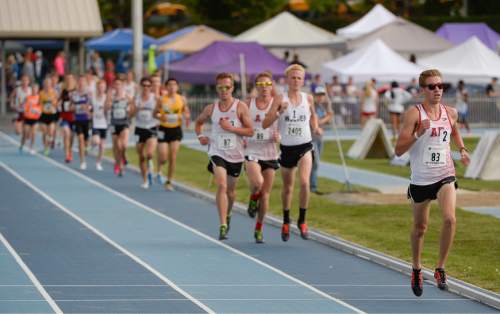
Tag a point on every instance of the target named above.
point(223, 88)
point(263, 84)
point(433, 86)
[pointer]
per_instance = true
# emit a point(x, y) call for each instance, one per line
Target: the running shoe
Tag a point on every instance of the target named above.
point(223, 232)
point(145, 185)
point(440, 277)
point(417, 282)
point(20, 149)
point(116, 169)
point(285, 232)
point(169, 186)
point(83, 165)
point(303, 231)
point(252, 208)
point(46, 151)
point(98, 166)
point(32, 151)
point(161, 179)
point(259, 236)
point(150, 178)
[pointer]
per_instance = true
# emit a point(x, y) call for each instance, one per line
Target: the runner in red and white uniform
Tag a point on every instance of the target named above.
point(261, 154)
point(427, 132)
point(230, 123)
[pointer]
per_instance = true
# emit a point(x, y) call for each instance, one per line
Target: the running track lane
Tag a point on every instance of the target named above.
point(185, 256)
point(367, 286)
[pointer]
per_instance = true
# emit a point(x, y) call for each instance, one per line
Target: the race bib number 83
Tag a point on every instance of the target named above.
point(435, 156)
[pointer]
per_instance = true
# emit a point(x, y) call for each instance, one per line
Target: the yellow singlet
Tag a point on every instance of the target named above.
point(173, 111)
point(47, 100)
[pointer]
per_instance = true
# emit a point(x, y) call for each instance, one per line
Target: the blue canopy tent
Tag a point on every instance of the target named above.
point(120, 39)
point(43, 44)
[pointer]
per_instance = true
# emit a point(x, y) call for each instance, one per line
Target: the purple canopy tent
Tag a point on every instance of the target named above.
point(224, 56)
point(460, 32)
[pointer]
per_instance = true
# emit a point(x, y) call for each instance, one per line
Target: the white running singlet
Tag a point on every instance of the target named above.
point(430, 156)
point(227, 145)
point(261, 145)
point(144, 117)
point(294, 122)
point(98, 114)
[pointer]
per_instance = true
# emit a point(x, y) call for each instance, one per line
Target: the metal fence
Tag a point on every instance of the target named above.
point(483, 111)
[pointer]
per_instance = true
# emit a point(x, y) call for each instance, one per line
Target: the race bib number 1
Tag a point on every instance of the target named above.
point(226, 141)
point(435, 156)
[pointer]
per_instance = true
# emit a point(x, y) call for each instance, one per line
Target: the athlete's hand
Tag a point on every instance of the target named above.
point(163, 117)
point(424, 125)
point(204, 140)
point(318, 131)
point(226, 125)
point(464, 157)
point(283, 106)
point(276, 137)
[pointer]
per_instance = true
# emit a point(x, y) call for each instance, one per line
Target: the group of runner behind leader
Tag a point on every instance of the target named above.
point(244, 132)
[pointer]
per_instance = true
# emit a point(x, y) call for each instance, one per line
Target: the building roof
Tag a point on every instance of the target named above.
point(50, 19)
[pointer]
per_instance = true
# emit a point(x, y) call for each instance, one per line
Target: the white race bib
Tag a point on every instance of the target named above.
point(98, 115)
point(47, 107)
point(172, 118)
point(435, 156)
point(295, 129)
point(261, 134)
point(145, 115)
point(66, 106)
point(80, 109)
point(226, 141)
point(119, 113)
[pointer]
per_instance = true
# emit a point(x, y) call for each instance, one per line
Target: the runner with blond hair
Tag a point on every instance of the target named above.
point(296, 121)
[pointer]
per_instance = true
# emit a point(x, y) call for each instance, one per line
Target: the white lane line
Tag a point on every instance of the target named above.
point(199, 233)
point(103, 236)
point(30, 275)
point(230, 300)
point(218, 285)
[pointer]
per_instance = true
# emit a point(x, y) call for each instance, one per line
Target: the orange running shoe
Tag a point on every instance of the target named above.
point(285, 232)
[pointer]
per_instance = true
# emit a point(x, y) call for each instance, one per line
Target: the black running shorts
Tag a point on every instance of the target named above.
point(144, 134)
point(421, 193)
point(167, 135)
point(232, 168)
point(290, 155)
point(265, 164)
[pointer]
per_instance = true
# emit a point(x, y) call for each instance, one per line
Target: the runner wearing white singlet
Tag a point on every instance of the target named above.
point(297, 119)
point(17, 101)
point(427, 132)
point(145, 131)
point(230, 123)
point(261, 154)
point(99, 121)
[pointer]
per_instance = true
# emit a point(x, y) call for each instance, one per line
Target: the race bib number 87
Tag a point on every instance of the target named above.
point(226, 141)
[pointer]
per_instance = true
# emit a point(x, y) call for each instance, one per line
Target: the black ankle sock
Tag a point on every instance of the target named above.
point(302, 215)
point(286, 216)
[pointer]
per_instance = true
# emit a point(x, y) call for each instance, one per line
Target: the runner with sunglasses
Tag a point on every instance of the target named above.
point(261, 154)
point(427, 132)
point(230, 123)
point(296, 121)
point(169, 110)
point(145, 130)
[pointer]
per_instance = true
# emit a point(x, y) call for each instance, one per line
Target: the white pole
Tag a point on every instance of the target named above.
point(3, 81)
point(137, 30)
point(81, 56)
point(243, 76)
point(166, 64)
point(339, 146)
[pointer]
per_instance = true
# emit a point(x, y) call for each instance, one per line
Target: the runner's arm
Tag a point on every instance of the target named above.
point(273, 113)
point(202, 118)
point(314, 118)
point(407, 135)
point(244, 116)
point(186, 112)
point(455, 135)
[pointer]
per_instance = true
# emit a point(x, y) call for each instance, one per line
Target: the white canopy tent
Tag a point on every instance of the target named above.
point(471, 61)
point(375, 60)
point(377, 17)
point(404, 37)
point(313, 44)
